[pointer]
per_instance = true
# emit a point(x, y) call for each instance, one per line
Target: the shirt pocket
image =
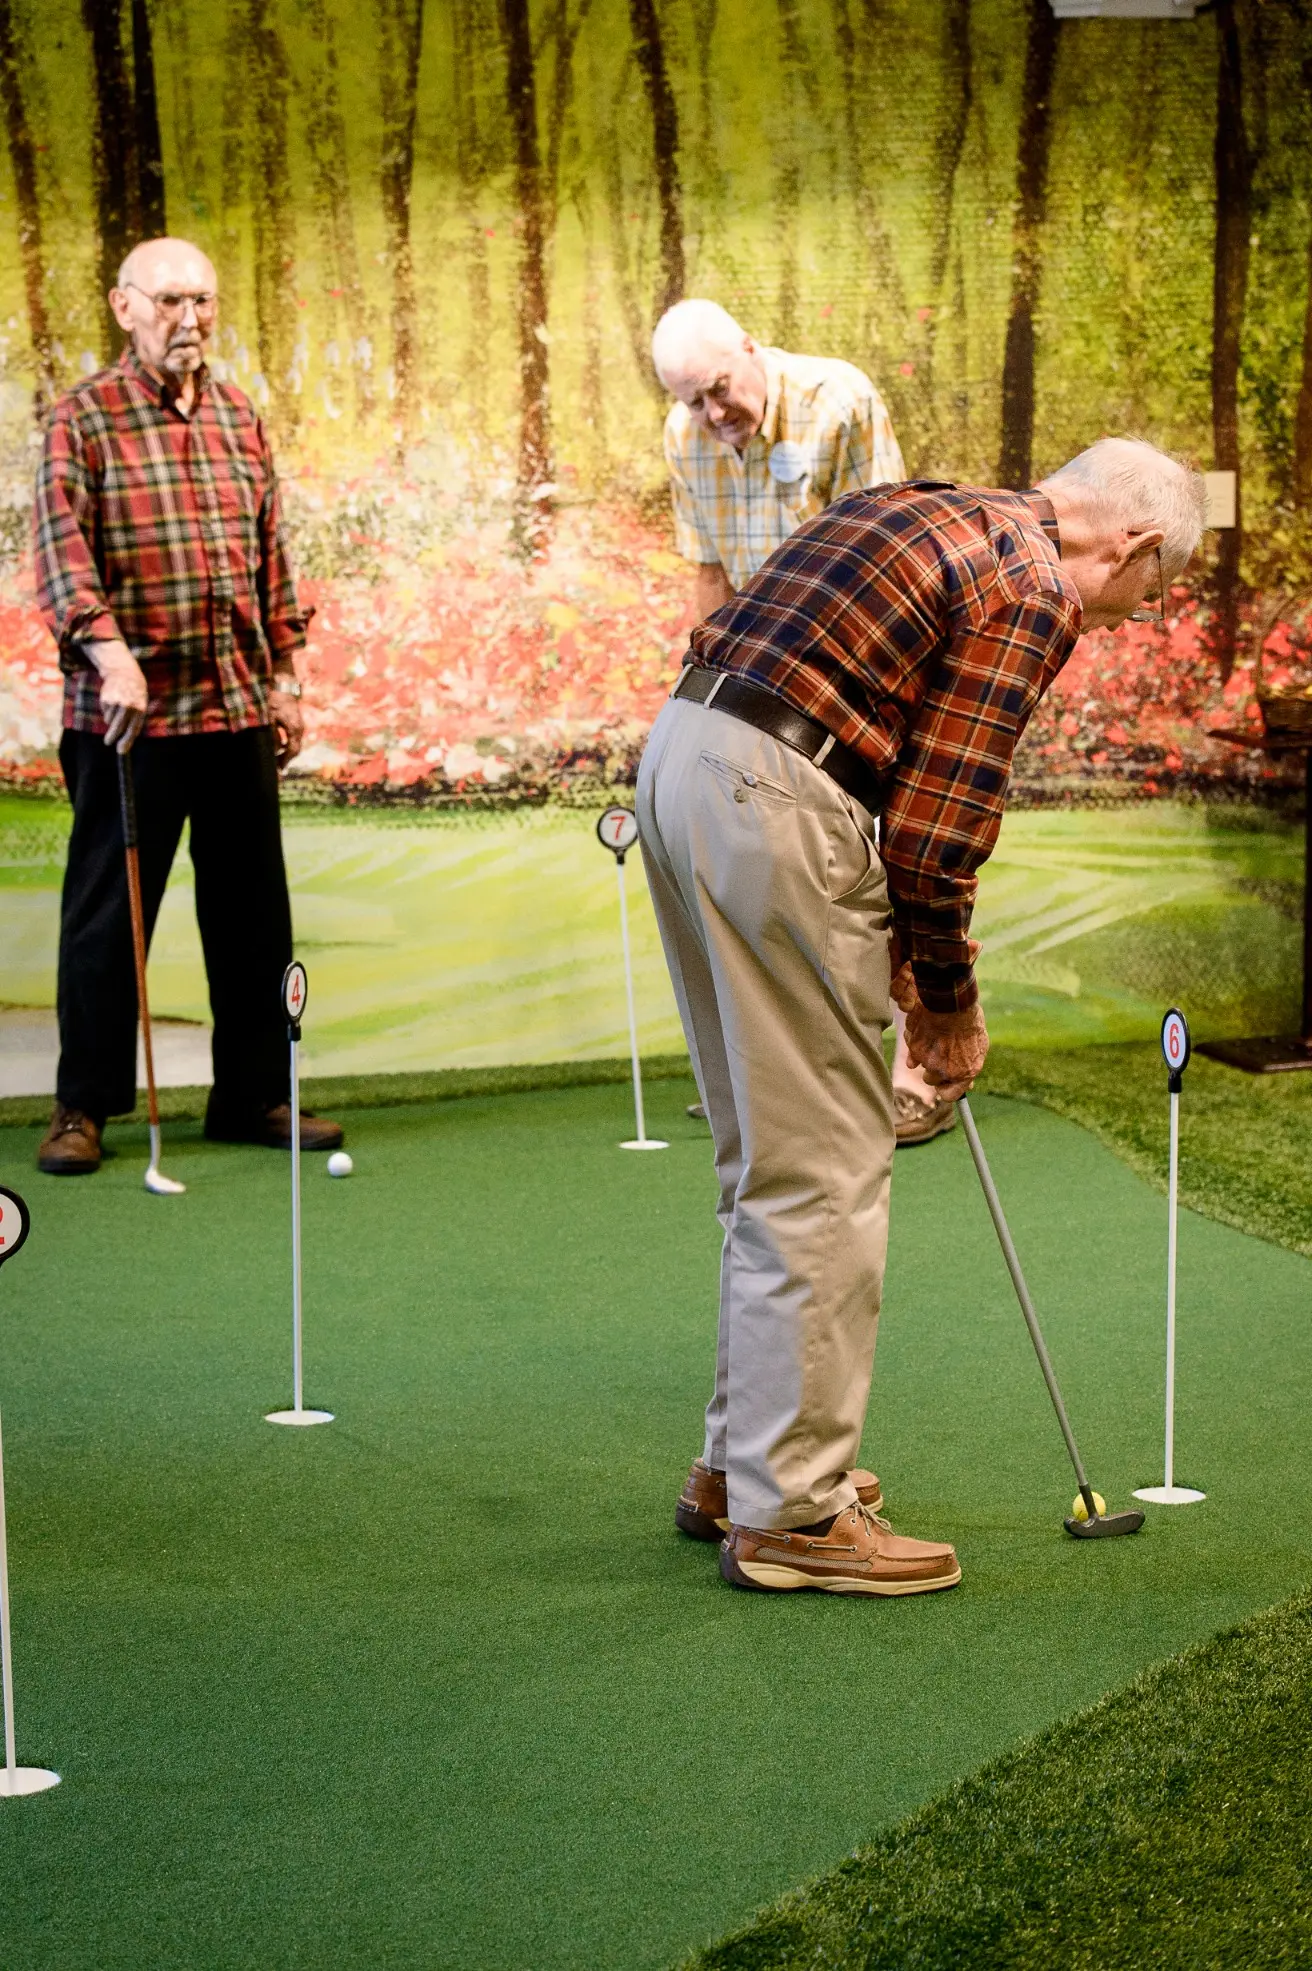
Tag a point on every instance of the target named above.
point(238, 492)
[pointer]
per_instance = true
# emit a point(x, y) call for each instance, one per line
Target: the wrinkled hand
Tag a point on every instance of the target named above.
point(949, 1048)
point(902, 985)
point(124, 695)
point(288, 724)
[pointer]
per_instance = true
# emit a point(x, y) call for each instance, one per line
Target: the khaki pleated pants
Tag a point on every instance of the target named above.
point(773, 909)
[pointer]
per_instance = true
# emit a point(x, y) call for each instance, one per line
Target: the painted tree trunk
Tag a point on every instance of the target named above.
point(270, 191)
point(151, 203)
point(1015, 458)
point(1302, 467)
point(1302, 473)
point(404, 37)
point(330, 167)
point(649, 49)
point(533, 476)
point(22, 161)
point(114, 153)
point(1233, 164)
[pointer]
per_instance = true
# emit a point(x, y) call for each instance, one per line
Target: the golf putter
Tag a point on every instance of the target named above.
point(1098, 1526)
point(155, 1180)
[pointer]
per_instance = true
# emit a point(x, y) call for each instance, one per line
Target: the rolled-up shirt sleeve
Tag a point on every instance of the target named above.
point(949, 785)
point(866, 451)
point(286, 618)
point(70, 593)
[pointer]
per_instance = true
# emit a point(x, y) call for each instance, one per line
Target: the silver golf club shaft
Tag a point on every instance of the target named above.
point(1009, 1253)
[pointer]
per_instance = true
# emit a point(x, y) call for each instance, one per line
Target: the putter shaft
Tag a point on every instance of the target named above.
point(1009, 1253)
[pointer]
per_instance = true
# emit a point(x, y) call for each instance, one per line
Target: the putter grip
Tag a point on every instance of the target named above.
point(127, 800)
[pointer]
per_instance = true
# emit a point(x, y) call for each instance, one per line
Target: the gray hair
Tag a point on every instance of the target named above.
point(1128, 483)
point(690, 336)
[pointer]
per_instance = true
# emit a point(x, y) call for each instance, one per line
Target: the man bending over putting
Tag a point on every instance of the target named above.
point(883, 662)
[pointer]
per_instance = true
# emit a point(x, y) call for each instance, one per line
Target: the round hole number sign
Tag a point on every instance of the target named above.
point(295, 991)
point(618, 829)
point(1175, 1042)
point(14, 1223)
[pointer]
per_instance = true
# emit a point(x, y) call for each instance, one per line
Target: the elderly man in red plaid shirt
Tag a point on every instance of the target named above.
point(883, 662)
point(163, 573)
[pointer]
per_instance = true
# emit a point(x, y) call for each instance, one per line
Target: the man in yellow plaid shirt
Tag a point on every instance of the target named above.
point(758, 440)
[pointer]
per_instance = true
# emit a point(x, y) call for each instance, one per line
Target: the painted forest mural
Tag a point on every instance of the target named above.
point(445, 228)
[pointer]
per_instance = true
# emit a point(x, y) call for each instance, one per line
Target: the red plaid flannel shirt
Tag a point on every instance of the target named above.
point(165, 530)
point(920, 624)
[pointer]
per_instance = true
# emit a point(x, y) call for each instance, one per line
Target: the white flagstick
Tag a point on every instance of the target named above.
point(1175, 1048)
point(295, 991)
point(15, 1779)
point(618, 830)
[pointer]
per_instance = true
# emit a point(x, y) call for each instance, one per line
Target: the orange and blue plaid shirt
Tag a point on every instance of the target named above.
point(920, 624)
point(165, 530)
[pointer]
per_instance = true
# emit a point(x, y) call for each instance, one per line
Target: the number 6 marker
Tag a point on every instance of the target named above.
point(1175, 1053)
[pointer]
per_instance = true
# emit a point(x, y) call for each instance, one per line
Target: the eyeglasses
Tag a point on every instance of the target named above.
point(1157, 615)
point(173, 306)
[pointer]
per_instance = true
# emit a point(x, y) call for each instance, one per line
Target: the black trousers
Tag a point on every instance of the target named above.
point(226, 783)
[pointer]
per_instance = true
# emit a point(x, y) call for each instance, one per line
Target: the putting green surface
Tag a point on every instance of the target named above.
point(438, 1685)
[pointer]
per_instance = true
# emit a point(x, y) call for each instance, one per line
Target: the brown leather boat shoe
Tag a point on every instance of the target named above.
point(703, 1509)
point(71, 1145)
point(920, 1122)
point(274, 1130)
point(858, 1554)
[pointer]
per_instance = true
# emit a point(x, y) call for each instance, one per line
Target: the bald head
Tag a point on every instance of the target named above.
point(711, 364)
point(171, 264)
point(165, 301)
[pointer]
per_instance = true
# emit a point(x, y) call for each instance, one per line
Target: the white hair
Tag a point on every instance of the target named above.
point(1128, 483)
point(690, 337)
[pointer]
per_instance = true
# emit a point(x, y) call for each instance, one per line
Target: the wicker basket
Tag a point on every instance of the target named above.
point(1286, 709)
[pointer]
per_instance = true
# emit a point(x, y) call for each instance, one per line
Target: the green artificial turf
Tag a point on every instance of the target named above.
point(1169, 1825)
point(438, 1685)
point(326, 1094)
point(1244, 1139)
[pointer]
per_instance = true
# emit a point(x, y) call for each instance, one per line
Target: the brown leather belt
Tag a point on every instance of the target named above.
point(769, 713)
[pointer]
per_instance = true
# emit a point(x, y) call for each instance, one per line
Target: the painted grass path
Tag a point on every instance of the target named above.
point(465, 942)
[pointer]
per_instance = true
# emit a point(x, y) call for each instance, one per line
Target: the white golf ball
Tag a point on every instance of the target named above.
point(339, 1164)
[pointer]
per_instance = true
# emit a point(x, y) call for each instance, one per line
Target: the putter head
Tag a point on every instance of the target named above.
point(165, 1187)
point(1104, 1525)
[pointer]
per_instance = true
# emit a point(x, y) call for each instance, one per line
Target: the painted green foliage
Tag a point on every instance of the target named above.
point(456, 219)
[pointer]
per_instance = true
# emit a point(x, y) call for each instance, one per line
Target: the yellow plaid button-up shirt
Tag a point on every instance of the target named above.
point(825, 433)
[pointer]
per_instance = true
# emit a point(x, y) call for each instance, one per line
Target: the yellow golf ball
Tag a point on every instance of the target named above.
point(1080, 1511)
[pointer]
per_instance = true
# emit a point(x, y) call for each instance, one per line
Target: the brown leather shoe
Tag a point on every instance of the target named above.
point(274, 1130)
point(920, 1122)
point(703, 1508)
point(71, 1145)
point(859, 1555)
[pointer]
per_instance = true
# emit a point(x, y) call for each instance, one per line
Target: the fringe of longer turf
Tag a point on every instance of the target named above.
point(379, 1091)
point(1169, 1824)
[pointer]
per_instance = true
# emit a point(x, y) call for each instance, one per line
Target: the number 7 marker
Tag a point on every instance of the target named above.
point(618, 830)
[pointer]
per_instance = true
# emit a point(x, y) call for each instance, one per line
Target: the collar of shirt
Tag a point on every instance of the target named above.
point(159, 389)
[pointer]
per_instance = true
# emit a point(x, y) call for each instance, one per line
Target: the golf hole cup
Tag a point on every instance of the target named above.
point(15, 1780)
point(618, 831)
point(1175, 1053)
